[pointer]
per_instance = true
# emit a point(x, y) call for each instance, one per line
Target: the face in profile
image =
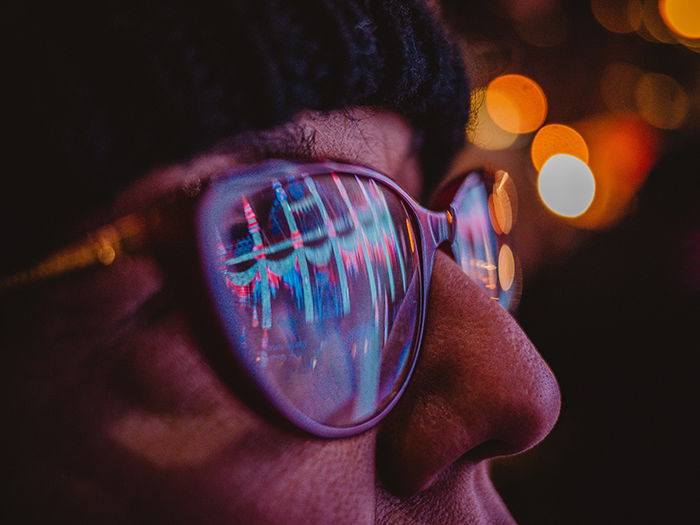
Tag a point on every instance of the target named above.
point(127, 412)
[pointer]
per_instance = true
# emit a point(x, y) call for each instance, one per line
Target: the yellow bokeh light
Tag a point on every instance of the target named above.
point(681, 16)
point(482, 131)
point(554, 139)
point(516, 103)
point(661, 101)
point(106, 254)
point(566, 185)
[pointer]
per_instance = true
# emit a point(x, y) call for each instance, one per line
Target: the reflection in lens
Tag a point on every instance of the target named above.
point(503, 203)
point(506, 267)
point(321, 279)
point(476, 244)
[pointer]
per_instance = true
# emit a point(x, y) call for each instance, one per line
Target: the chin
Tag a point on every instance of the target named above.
point(462, 495)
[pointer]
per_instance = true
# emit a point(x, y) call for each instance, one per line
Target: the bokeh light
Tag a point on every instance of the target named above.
point(681, 16)
point(554, 139)
point(503, 203)
point(506, 267)
point(566, 185)
point(653, 27)
point(661, 101)
point(516, 103)
point(482, 130)
point(622, 149)
point(620, 16)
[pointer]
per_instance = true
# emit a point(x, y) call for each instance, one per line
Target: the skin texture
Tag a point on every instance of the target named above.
point(121, 418)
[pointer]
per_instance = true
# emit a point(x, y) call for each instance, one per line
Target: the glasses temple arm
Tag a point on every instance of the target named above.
point(100, 247)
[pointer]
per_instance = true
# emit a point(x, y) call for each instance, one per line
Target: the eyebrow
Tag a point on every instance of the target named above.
point(292, 141)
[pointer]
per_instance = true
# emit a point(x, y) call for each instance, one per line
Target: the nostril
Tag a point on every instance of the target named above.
point(401, 481)
point(492, 448)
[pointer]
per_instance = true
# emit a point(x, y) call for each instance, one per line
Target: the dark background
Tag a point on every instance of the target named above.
point(615, 310)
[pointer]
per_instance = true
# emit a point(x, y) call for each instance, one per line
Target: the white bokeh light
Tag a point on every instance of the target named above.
point(566, 185)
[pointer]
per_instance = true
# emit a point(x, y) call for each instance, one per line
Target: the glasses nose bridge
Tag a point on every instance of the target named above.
point(440, 226)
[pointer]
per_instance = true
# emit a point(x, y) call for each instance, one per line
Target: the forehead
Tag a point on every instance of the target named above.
point(379, 139)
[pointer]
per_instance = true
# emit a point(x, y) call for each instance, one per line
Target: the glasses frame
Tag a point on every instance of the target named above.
point(431, 229)
point(139, 232)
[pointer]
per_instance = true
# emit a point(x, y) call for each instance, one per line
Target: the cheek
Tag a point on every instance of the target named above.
point(210, 454)
point(139, 417)
point(173, 411)
point(272, 479)
point(207, 454)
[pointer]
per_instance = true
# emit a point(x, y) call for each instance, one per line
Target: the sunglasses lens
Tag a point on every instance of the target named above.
point(484, 216)
point(318, 283)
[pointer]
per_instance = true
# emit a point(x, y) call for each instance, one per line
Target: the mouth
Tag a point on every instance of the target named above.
point(462, 495)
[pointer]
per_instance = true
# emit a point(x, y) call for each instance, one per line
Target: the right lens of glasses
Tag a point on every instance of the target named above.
point(317, 279)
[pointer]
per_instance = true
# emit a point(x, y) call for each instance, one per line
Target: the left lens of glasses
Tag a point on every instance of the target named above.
point(317, 279)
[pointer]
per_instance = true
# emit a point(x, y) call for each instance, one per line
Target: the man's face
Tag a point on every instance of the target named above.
point(123, 419)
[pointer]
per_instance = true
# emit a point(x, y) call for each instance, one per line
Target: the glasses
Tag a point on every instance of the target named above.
point(318, 275)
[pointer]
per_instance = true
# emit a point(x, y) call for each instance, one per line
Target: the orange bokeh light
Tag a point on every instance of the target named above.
point(681, 16)
point(618, 17)
point(506, 267)
point(482, 130)
point(554, 139)
point(503, 203)
point(516, 103)
point(622, 149)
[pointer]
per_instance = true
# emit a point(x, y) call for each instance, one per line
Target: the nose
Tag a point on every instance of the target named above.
point(480, 389)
